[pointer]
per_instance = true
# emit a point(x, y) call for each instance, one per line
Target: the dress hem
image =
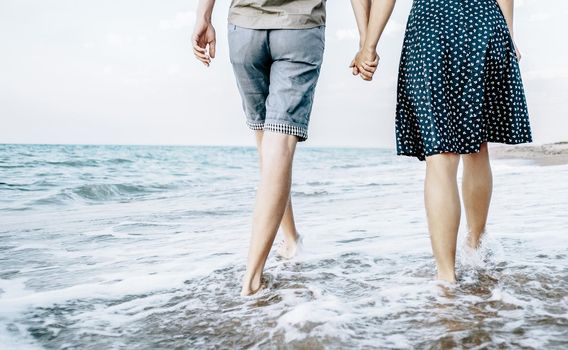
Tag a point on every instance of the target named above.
point(422, 157)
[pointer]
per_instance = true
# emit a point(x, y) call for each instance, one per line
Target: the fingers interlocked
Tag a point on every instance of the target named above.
point(366, 69)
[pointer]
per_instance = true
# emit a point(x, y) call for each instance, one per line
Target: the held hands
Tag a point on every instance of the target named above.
point(365, 64)
point(203, 41)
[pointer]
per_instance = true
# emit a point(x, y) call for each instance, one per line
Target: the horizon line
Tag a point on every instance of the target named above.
point(179, 145)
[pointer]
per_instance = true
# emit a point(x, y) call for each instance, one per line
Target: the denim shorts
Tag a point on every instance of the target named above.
point(277, 71)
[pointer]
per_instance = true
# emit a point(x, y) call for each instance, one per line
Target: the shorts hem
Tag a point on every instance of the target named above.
point(255, 126)
point(281, 128)
point(301, 133)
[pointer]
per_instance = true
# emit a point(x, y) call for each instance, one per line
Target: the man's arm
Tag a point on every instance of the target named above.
point(203, 39)
point(361, 8)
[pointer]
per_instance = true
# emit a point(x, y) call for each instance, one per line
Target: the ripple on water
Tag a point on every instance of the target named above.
point(159, 264)
point(321, 303)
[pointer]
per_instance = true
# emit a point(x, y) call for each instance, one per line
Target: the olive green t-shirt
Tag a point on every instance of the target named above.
point(277, 14)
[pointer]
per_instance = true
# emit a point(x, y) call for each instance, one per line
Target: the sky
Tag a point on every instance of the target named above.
point(122, 72)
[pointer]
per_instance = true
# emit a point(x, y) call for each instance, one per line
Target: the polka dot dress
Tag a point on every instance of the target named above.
point(459, 80)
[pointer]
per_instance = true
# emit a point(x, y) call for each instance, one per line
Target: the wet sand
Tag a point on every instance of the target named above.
point(547, 154)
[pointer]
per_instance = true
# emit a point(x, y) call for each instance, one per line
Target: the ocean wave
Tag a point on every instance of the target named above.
point(119, 161)
point(318, 183)
point(98, 193)
point(101, 192)
point(349, 166)
point(74, 163)
point(3, 166)
point(35, 186)
point(71, 163)
point(152, 255)
point(309, 194)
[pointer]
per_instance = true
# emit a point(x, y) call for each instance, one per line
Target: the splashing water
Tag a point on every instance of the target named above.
point(113, 247)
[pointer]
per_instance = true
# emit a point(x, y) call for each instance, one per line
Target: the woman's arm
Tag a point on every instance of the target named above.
point(361, 8)
point(381, 11)
point(507, 10)
point(366, 60)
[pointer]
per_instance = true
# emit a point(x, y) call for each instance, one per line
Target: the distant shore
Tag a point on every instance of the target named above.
point(547, 154)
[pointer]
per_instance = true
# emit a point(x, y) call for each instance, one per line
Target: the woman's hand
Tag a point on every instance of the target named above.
point(518, 52)
point(365, 64)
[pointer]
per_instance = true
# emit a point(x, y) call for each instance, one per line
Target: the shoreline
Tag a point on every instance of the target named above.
point(545, 155)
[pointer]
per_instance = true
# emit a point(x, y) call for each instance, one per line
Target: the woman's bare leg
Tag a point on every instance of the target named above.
point(477, 186)
point(443, 210)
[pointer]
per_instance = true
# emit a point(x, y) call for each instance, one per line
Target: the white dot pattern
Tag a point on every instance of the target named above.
point(459, 80)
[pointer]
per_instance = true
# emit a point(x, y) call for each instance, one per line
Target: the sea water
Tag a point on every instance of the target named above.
point(144, 247)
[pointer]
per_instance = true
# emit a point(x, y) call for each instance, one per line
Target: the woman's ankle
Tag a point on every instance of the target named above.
point(252, 281)
point(447, 276)
point(474, 238)
point(291, 238)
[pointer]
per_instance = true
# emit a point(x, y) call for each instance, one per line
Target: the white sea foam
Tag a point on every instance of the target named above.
point(162, 268)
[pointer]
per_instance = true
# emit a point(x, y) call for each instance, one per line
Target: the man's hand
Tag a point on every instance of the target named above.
point(365, 64)
point(354, 69)
point(203, 41)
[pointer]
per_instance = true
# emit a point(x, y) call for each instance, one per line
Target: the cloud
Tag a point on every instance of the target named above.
point(181, 20)
point(118, 40)
point(538, 17)
point(174, 69)
point(88, 45)
point(538, 74)
point(108, 70)
point(347, 34)
point(393, 27)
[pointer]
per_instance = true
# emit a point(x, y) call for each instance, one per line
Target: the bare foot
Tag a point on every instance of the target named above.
point(253, 288)
point(450, 278)
point(287, 249)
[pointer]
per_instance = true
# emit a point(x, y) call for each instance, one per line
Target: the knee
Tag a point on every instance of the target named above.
point(443, 166)
point(278, 147)
point(443, 160)
point(481, 156)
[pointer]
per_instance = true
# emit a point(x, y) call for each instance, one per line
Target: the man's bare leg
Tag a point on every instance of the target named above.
point(272, 197)
point(443, 210)
point(288, 224)
point(477, 186)
point(291, 237)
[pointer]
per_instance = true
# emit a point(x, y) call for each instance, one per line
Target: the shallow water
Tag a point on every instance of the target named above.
point(113, 247)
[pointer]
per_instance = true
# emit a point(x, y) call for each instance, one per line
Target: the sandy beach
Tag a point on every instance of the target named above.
point(547, 154)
